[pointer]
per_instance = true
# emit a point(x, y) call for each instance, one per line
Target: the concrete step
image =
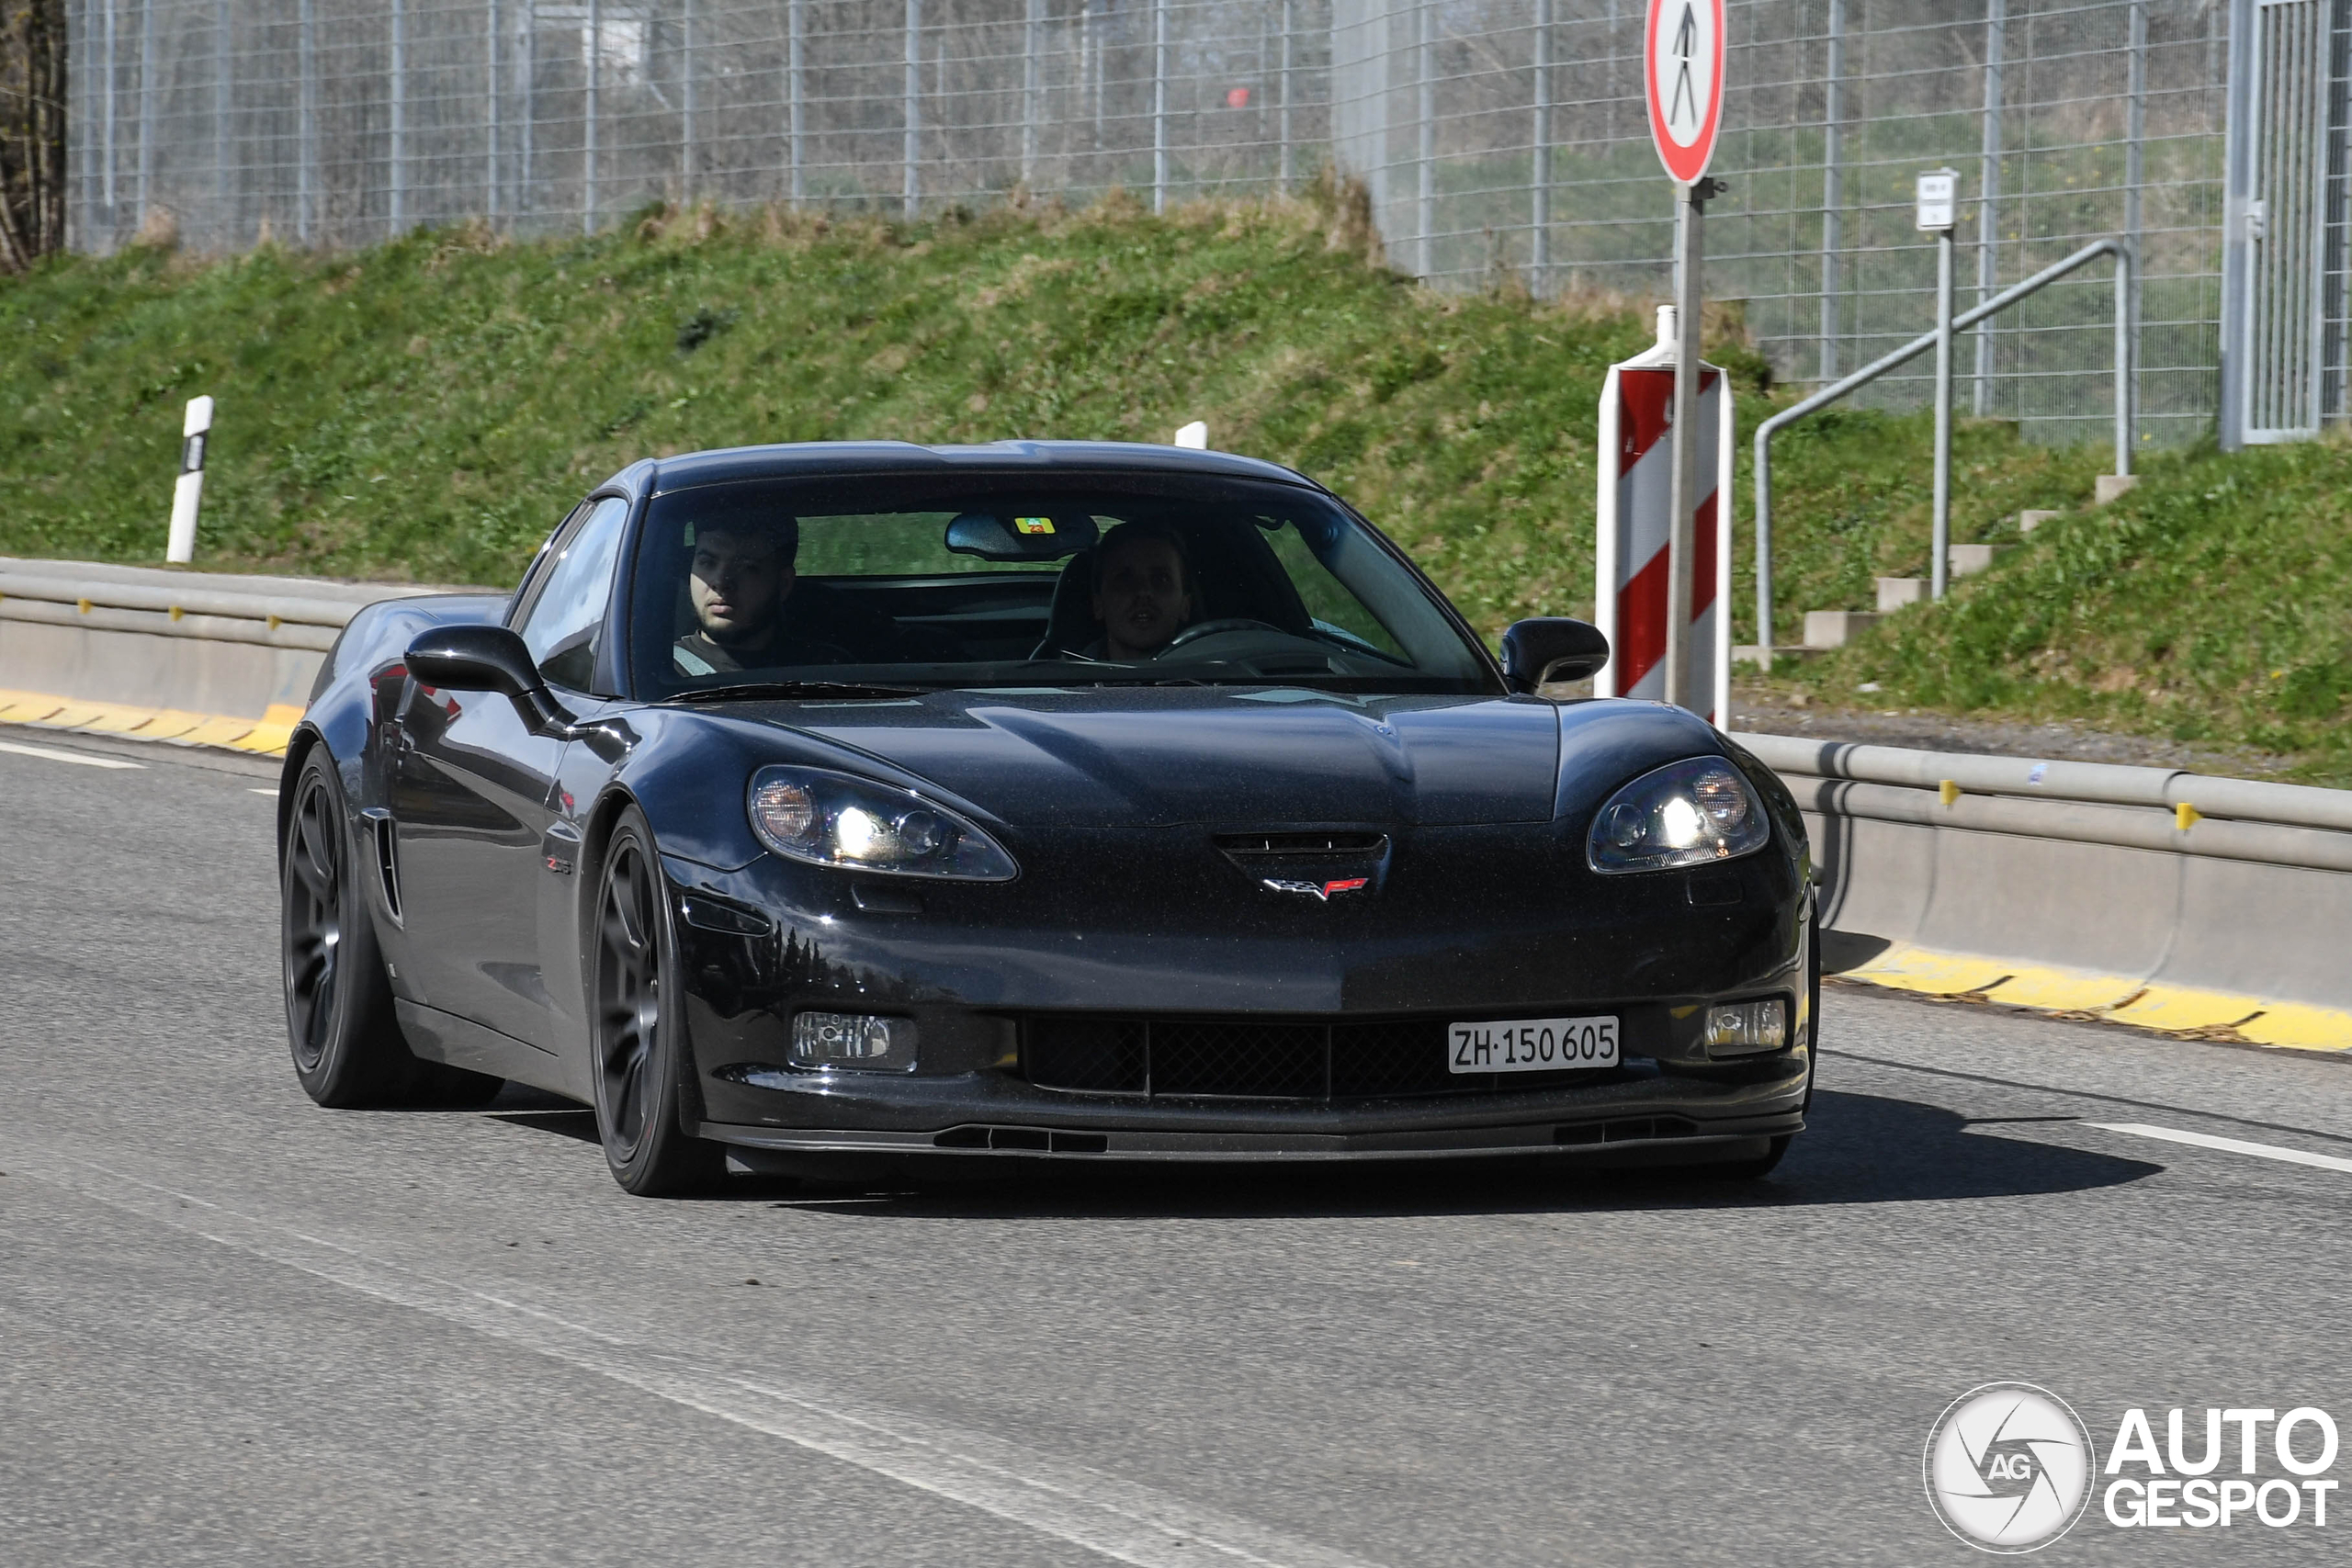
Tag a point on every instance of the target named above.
point(1835, 628)
point(1967, 560)
point(1893, 593)
point(2106, 487)
point(2029, 519)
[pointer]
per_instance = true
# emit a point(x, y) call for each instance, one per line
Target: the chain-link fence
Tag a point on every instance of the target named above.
point(1502, 140)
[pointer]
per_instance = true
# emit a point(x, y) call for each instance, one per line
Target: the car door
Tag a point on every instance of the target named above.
point(473, 796)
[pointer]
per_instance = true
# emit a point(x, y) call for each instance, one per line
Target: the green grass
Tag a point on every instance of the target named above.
point(2212, 605)
point(428, 409)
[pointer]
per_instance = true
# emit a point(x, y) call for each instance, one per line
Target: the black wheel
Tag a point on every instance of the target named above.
point(348, 1049)
point(637, 1027)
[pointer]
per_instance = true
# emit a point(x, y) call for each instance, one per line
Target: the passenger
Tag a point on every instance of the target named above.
point(1143, 591)
point(741, 576)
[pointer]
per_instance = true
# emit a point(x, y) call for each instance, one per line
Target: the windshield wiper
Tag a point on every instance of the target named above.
point(758, 691)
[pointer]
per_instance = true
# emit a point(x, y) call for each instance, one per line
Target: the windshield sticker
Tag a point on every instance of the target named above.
point(1034, 525)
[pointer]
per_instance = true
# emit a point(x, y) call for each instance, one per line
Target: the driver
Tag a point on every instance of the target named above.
point(1143, 591)
point(740, 575)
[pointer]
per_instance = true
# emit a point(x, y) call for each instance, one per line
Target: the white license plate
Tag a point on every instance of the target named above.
point(1531, 1044)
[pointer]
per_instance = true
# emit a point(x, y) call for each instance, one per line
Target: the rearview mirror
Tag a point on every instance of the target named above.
point(1552, 647)
point(1032, 534)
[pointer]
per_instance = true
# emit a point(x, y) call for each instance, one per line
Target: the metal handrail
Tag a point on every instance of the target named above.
point(2120, 249)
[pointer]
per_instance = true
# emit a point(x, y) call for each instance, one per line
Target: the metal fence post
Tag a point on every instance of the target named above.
point(1539, 162)
point(588, 116)
point(109, 86)
point(527, 71)
point(688, 169)
point(146, 107)
point(1032, 42)
point(489, 108)
point(1833, 208)
point(1159, 105)
point(797, 93)
point(911, 114)
point(2237, 259)
point(1425, 205)
point(306, 113)
point(2134, 176)
point(1996, 37)
point(395, 173)
point(1287, 168)
point(223, 117)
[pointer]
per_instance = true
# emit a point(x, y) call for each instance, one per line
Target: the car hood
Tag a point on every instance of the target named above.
point(1243, 758)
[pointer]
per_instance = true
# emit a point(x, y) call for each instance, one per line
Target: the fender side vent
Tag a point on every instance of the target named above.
point(381, 831)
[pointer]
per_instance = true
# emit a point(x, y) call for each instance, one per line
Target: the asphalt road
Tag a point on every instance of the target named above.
point(236, 1327)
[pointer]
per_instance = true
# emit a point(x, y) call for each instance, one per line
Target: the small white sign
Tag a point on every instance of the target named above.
point(1938, 199)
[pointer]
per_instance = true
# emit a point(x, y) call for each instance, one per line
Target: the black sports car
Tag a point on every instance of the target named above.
point(1049, 800)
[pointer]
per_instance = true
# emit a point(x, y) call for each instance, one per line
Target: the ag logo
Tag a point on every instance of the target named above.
point(2008, 1467)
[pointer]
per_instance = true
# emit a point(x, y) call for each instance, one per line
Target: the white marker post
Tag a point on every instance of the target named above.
point(1939, 194)
point(1682, 70)
point(187, 494)
point(1194, 437)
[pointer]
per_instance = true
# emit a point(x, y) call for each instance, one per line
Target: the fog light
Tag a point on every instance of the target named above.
point(864, 1041)
point(1737, 1027)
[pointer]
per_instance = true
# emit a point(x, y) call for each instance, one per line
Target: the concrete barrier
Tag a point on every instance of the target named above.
point(191, 643)
point(2150, 896)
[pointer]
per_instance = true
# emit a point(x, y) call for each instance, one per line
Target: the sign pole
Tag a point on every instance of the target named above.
point(1682, 70)
point(1938, 193)
point(1689, 212)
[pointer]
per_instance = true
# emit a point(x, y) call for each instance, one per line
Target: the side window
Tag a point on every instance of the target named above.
point(565, 622)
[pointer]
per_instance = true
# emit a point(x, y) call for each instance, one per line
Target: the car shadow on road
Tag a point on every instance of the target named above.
point(1859, 1150)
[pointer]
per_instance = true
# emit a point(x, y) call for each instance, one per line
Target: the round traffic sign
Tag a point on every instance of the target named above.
point(1682, 75)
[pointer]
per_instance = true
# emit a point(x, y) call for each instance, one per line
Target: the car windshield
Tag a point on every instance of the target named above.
point(767, 587)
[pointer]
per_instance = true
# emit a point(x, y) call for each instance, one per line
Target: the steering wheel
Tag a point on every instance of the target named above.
point(1199, 629)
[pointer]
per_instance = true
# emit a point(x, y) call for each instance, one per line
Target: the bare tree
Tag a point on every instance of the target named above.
point(32, 131)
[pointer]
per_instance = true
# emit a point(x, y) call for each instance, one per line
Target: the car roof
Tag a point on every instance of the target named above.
point(817, 459)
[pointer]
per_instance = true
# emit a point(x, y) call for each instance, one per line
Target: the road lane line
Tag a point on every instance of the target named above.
point(52, 754)
point(1118, 1519)
point(2232, 1145)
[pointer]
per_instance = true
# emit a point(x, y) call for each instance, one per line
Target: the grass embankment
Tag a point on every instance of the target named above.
point(2211, 604)
point(427, 409)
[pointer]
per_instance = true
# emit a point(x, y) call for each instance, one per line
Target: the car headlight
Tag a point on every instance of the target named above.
point(1689, 813)
point(839, 820)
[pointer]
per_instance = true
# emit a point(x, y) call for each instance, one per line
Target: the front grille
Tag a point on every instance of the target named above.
point(1251, 1059)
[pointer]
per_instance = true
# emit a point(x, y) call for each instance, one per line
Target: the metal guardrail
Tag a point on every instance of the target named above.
point(273, 612)
point(2119, 249)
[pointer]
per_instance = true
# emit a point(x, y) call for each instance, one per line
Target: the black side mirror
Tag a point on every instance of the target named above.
point(1551, 647)
point(488, 658)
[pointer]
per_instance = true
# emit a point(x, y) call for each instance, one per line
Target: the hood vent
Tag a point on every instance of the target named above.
point(1301, 845)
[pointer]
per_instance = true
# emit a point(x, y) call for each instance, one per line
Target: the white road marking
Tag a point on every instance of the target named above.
point(271, 793)
point(54, 755)
point(1118, 1519)
point(2231, 1145)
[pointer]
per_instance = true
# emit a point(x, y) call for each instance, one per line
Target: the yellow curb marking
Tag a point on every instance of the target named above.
point(266, 736)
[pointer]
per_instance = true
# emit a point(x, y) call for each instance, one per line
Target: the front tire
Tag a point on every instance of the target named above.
point(348, 1049)
point(638, 1027)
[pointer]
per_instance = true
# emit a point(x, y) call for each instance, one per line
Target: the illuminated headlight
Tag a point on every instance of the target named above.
point(1686, 813)
point(829, 819)
point(866, 1042)
point(1736, 1028)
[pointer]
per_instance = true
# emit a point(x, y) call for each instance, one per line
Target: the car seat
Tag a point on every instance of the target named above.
point(1070, 625)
